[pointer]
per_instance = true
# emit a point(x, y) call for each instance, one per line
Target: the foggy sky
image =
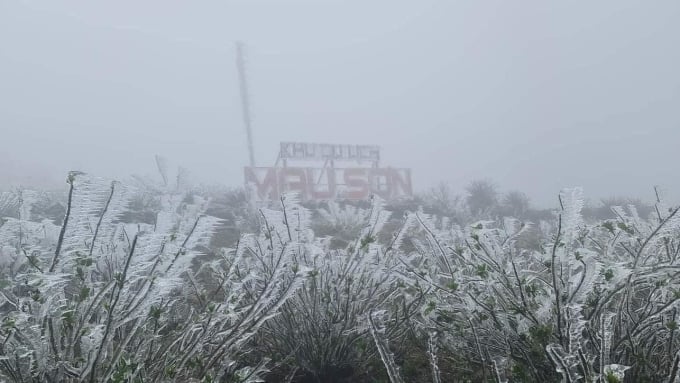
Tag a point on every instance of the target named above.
point(535, 95)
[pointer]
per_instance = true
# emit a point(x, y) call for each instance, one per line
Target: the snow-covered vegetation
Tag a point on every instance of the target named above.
point(158, 281)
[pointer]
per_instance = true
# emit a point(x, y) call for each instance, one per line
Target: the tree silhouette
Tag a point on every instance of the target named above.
point(482, 197)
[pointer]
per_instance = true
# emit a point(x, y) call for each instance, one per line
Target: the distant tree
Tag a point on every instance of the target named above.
point(515, 204)
point(482, 197)
point(441, 200)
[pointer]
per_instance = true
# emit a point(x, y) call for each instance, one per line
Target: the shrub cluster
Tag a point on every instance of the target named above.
point(335, 294)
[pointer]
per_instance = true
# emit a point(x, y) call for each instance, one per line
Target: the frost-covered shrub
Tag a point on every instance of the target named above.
point(323, 330)
point(342, 224)
point(239, 216)
point(98, 299)
point(594, 303)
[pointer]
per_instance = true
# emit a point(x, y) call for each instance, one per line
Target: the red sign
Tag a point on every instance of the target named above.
point(321, 152)
point(329, 183)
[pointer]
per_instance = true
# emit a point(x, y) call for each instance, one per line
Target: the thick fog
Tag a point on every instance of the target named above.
point(535, 95)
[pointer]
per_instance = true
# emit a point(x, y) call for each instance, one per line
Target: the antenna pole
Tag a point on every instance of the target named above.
point(245, 102)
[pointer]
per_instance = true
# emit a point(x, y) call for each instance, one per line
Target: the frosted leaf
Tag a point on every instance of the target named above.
point(345, 217)
point(513, 227)
point(203, 232)
point(298, 218)
point(572, 203)
point(585, 274)
point(566, 365)
point(91, 341)
point(400, 235)
point(616, 370)
point(248, 375)
point(378, 216)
